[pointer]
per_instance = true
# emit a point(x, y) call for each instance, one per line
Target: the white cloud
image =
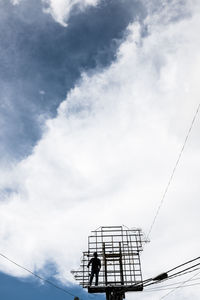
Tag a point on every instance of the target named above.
point(107, 156)
point(60, 9)
point(15, 2)
point(42, 92)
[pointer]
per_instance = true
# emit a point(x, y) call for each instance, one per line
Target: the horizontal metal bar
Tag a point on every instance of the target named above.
point(127, 273)
point(118, 235)
point(121, 289)
point(119, 228)
point(124, 264)
point(109, 282)
point(139, 248)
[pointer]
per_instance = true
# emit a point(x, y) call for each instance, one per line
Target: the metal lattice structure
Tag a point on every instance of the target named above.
point(119, 250)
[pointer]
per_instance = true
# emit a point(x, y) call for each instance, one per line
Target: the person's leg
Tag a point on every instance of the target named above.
point(96, 277)
point(91, 277)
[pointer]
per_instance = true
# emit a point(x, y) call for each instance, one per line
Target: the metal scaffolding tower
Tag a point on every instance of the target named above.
point(119, 249)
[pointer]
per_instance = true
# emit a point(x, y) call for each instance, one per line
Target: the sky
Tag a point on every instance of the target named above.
point(96, 99)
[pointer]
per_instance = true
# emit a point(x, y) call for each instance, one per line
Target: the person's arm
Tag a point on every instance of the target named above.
point(99, 264)
point(89, 263)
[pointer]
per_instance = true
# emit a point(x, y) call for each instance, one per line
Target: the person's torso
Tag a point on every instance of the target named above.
point(95, 263)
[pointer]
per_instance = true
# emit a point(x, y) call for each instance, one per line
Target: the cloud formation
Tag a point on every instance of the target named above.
point(31, 61)
point(60, 9)
point(106, 158)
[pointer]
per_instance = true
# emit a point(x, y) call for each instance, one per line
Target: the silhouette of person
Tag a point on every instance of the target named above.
point(96, 266)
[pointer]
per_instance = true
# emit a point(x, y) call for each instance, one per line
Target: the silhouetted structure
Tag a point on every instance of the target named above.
point(119, 250)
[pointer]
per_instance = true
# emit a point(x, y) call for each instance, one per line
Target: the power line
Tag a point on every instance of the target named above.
point(173, 171)
point(180, 286)
point(181, 265)
point(166, 275)
point(39, 277)
point(184, 273)
point(169, 277)
point(171, 284)
point(163, 288)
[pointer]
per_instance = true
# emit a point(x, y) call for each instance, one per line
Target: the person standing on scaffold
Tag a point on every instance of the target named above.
point(96, 266)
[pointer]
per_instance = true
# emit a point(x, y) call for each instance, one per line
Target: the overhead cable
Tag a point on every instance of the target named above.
point(173, 172)
point(172, 288)
point(180, 286)
point(166, 275)
point(171, 285)
point(39, 277)
point(181, 265)
point(183, 273)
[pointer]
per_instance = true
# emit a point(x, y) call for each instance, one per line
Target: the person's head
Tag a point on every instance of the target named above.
point(95, 254)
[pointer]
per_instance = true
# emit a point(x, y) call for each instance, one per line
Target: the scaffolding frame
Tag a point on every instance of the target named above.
point(119, 249)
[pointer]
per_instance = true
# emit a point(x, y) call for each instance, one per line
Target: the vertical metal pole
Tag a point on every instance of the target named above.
point(132, 258)
point(128, 267)
point(105, 264)
point(96, 241)
point(102, 253)
point(139, 255)
point(120, 264)
point(83, 269)
point(113, 250)
point(124, 254)
point(88, 257)
point(108, 296)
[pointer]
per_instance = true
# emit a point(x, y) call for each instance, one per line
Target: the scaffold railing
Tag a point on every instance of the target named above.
point(118, 249)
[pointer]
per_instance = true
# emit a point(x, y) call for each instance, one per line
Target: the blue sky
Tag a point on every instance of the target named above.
point(14, 288)
point(42, 60)
point(96, 98)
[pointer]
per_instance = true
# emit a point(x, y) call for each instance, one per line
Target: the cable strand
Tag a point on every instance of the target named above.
point(39, 277)
point(180, 286)
point(173, 172)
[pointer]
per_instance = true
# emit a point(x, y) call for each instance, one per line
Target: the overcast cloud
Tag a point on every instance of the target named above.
point(106, 157)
